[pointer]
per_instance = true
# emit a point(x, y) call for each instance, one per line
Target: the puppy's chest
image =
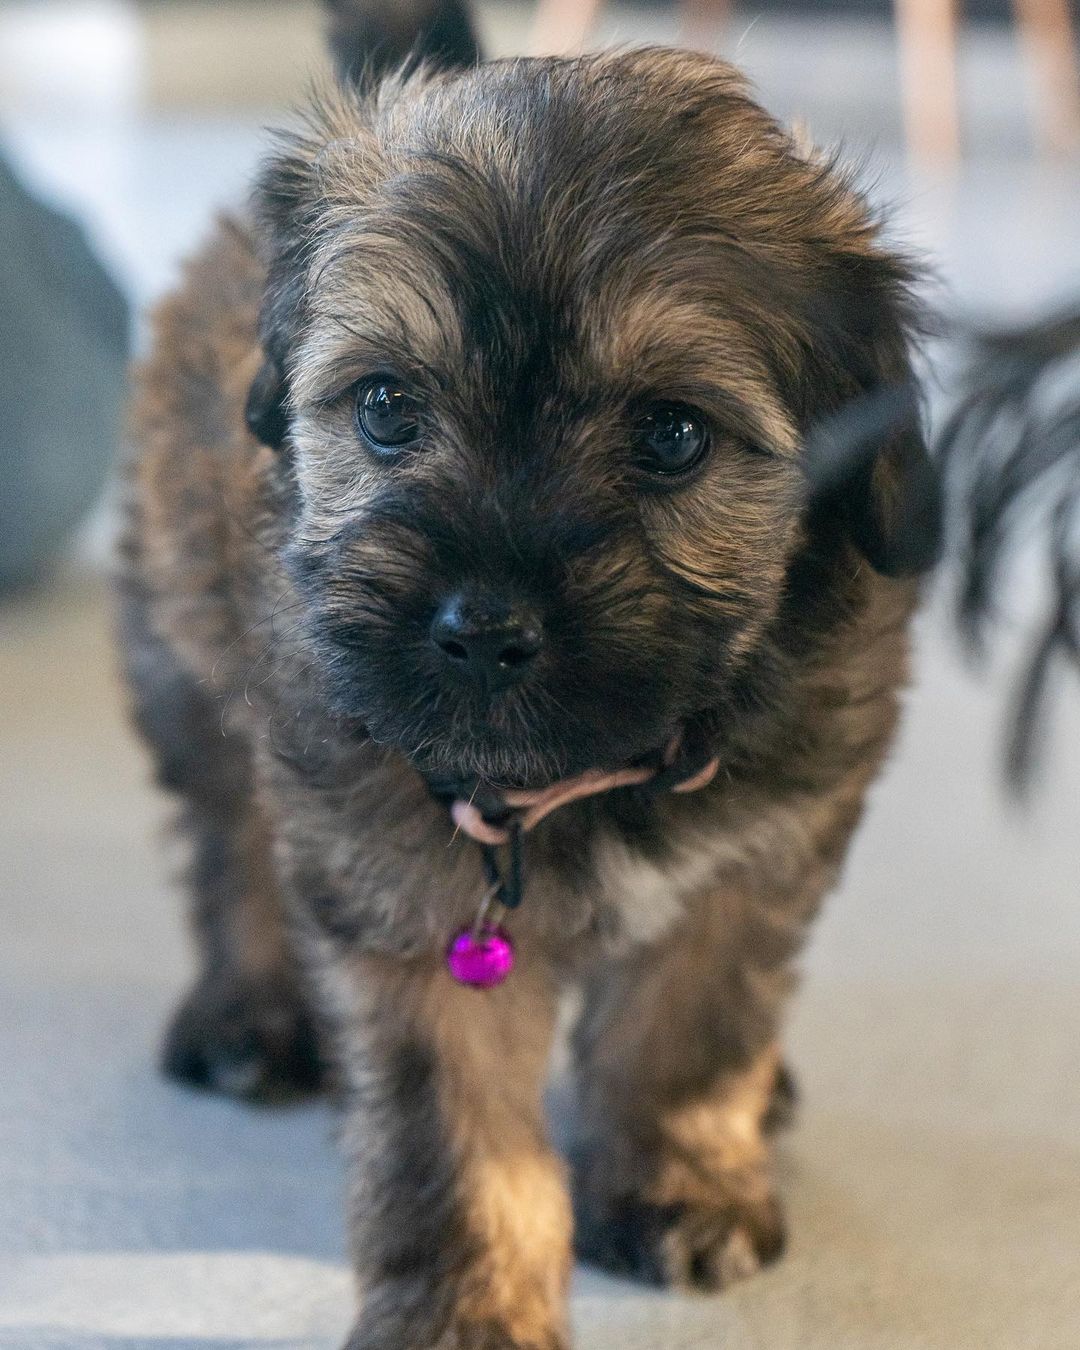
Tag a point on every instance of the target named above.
point(386, 859)
point(638, 898)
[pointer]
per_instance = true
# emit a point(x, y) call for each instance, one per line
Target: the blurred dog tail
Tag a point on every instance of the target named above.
point(1011, 456)
point(371, 38)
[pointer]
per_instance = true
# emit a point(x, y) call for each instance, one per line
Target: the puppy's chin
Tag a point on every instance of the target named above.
point(507, 763)
point(529, 758)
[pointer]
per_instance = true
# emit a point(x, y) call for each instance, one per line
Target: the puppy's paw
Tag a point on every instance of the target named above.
point(253, 1040)
point(371, 1335)
point(704, 1244)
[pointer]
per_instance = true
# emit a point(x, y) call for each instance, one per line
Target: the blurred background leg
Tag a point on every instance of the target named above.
point(562, 26)
point(927, 34)
point(703, 23)
point(1048, 35)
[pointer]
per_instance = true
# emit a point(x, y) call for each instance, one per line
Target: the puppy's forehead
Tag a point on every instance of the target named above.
point(553, 222)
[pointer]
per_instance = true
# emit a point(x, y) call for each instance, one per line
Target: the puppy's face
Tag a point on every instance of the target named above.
point(543, 343)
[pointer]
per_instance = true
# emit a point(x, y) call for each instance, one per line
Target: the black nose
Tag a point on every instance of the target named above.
point(486, 640)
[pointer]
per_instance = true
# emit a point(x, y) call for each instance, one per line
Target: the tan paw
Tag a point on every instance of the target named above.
point(703, 1245)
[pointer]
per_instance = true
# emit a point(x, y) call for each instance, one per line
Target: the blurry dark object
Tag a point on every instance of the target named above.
point(439, 30)
point(63, 351)
point(1011, 454)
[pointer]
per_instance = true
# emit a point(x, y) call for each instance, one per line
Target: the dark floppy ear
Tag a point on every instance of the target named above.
point(867, 459)
point(297, 191)
point(893, 506)
point(265, 411)
point(868, 470)
point(282, 198)
point(286, 201)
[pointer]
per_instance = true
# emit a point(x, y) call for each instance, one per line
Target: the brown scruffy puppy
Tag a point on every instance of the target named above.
point(529, 354)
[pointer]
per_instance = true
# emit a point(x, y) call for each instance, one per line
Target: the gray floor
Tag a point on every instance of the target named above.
point(934, 1177)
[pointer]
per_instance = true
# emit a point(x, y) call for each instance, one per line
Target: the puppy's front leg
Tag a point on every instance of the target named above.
point(460, 1216)
point(678, 1079)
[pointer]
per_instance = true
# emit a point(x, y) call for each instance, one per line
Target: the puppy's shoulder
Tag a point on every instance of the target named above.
point(196, 481)
point(204, 349)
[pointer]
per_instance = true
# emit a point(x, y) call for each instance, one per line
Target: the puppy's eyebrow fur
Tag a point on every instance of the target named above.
point(380, 302)
point(376, 304)
point(677, 347)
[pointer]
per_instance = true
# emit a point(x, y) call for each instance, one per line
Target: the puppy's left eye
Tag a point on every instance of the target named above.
point(387, 415)
point(670, 438)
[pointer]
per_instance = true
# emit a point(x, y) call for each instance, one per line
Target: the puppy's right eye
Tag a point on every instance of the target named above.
point(670, 439)
point(387, 416)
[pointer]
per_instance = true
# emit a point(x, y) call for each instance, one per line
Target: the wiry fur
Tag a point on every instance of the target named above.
point(537, 247)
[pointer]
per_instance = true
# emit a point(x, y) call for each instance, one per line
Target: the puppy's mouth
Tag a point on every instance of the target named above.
point(484, 812)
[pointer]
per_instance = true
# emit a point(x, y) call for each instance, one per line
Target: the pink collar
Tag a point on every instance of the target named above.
point(481, 955)
point(536, 804)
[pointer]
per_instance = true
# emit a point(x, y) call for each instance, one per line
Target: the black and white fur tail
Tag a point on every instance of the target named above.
point(370, 38)
point(1011, 455)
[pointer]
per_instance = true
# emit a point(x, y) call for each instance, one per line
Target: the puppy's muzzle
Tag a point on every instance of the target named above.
point(487, 640)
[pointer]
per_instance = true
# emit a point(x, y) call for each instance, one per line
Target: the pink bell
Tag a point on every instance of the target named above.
point(481, 958)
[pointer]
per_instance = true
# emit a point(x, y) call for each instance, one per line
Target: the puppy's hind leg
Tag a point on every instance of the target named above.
point(244, 1028)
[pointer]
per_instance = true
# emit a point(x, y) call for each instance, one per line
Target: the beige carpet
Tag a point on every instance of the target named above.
point(933, 1177)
